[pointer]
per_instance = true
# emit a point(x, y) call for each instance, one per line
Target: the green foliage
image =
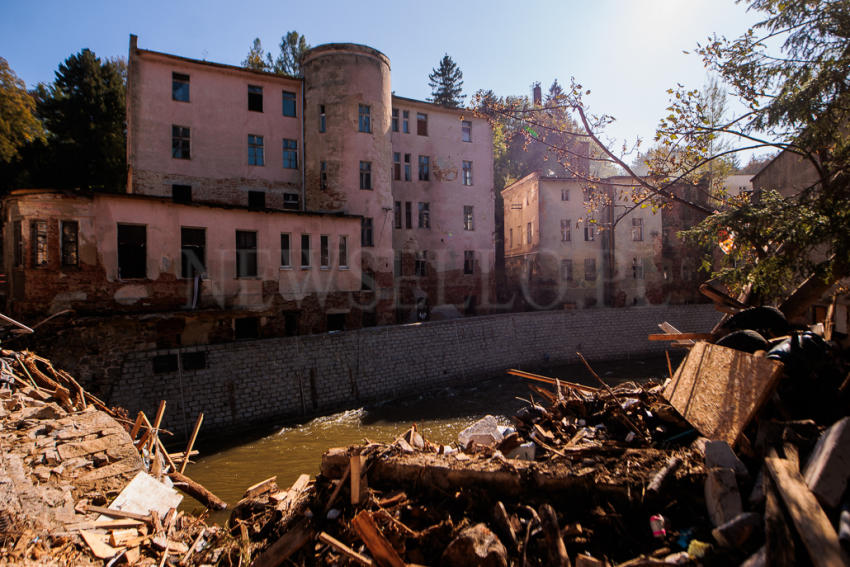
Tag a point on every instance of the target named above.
point(288, 61)
point(446, 82)
point(18, 123)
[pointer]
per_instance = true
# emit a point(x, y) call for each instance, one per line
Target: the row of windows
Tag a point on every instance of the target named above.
point(180, 93)
point(401, 123)
point(566, 232)
point(424, 219)
point(590, 269)
point(256, 199)
point(181, 148)
point(39, 249)
point(420, 263)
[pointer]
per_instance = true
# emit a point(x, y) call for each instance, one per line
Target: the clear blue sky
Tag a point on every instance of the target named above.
point(628, 52)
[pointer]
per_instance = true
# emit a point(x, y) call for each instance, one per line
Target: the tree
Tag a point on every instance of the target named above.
point(446, 82)
point(256, 58)
point(84, 114)
point(18, 124)
point(293, 47)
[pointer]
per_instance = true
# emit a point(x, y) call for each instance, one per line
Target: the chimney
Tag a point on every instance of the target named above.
point(536, 94)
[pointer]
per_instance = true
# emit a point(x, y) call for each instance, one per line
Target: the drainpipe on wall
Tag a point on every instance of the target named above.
point(303, 148)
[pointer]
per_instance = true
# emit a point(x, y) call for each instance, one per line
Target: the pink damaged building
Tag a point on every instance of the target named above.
point(261, 205)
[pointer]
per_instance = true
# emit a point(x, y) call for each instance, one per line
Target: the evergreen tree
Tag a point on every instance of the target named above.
point(293, 46)
point(446, 82)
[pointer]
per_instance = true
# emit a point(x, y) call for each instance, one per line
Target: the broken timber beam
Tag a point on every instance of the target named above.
point(196, 491)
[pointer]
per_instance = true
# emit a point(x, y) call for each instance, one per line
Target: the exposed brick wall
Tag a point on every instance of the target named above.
point(263, 381)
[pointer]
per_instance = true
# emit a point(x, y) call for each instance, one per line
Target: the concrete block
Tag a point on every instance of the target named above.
point(722, 497)
point(718, 454)
point(828, 467)
point(485, 431)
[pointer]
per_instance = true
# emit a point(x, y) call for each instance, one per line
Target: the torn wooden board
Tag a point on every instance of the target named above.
point(97, 544)
point(143, 494)
point(718, 390)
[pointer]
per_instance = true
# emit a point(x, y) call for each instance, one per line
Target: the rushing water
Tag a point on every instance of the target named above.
point(440, 416)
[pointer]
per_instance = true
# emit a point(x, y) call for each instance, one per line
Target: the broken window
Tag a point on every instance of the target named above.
point(468, 261)
point(255, 150)
point(567, 270)
point(407, 167)
point(305, 250)
point(179, 142)
point(364, 118)
point(395, 120)
point(18, 237)
point(193, 247)
point(284, 251)
point(590, 269)
point(291, 201)
point(246, 254)
point(323, 175)
point(255, 98)
point(323, 119)
point(408, 214)
point(324, 252)
point(246, 328)
point(38, 243)
point(69, 237)
point(424, 168)
point(397, 166)
point(180, 87)
point(421, 124)
point(181, 193)
point(405, 121)
point(589, 232)
point(343, 251)
point(290, 154)
point(466, 129)
point(566, 230)
point(468, 222)
point(288, 103)
point(366, 175)
point(419, 267)
point(257, 199)
point(132, 251)
point(637, 229)
point(424, 215)
point(397, 214)
point(366, 231)
point(467, 173)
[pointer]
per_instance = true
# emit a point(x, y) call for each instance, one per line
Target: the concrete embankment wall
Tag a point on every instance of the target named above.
point(266, 381)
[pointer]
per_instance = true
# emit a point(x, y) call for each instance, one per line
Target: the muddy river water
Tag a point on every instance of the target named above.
point(288, 451)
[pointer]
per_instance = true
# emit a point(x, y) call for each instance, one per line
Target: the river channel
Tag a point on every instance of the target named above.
point(291, 450)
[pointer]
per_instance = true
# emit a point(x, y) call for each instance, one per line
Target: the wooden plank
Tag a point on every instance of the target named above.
point(547, 380)
point(105, 524)
point(355, 463)
point(261, 487)
point(809, 519)
point(188, 451)
point(344, 549)
point(197, 491)
point(382, 551)
point(718, 390)
point(779, 541)
point(283, 548)
point(680, 336)
point(116, 513)
point(97, 544)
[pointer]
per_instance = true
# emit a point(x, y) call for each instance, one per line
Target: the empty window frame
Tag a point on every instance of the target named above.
point(566, 230)
point(421, 124)
point(323, 175)
point(255, 150)
point(421, 263)
point(69, 242)
point(285, 251)
point(181, 193)
point(565, 194)
point(405, 121)
point(637, 269)
point(324, 252)
point(467, 173)
point(529, 233)
point(364, 118)
point(38, 243)
point(323, 119)
point(180, 87)
point(468, 219)
point(193, 247)
point(637, 229)
point(290, 153)
point(424, 215)
point(397, 214)
point(468, 262)
point(179, 142)
point(291, 201)
point(193, 360)
point(132, 251)
point(305, 250)
point(246, 254)
point(246, 328)
point(366, 175)
point(343, 251)
point(510, 238)
point(255, 98)
point(408, 214)
point(18, 238)
point(590, 269)
point(407, 175)
point(589, 232)
point(424, 168)
point(397, 264)
point(395, 120)
point(366, 232)
point(567, 270)
point(396, 166)
point(466, 130)
point(257, 199)
point(288, 103)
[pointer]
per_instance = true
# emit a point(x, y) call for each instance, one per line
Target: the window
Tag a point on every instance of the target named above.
point(567, 270)
point(132, 253)
point(405, 121)
point(343, 251)
point(38, 243)
point(468, 223)
point(246, 254)
point(323, 175)
point(637, 229)
point(179, 142)
point(364, 118)
point(421, 124)
point(290, 154)
point(424, 215)
point(193, 245)
point(366, 175)
point(510, 238)
point(18, 236)
point(565, 194)
point(424, 167)
point(467, 173)
point(288, 103)
point(290, 323)
point(193, 360)
point(181, 193)
point(408, 214)
point(164, 363)
point(529, 233)
point(366, 231)
point(255, 150)
point(468, 262)
point(323, 120)
point(395, 120)
point(255, 98)
point(407, 167)
point(324, 252)
point(566, 232)
point(590, 269)
point(637, 269)
point(246, 328)
point(305, 250)
point(69, 243)
point(257, 199)
point(291, 201)
point(397, 214)
point(466, 129)
point(419, 267)
point(367, 280)
point(397, 264)
point(285, 254)
point(589, 232)
point(396, 166)
point(180, 87)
